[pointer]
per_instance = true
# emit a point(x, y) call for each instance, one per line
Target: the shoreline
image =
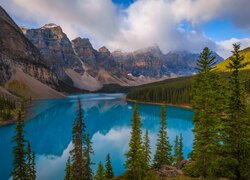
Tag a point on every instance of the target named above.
point(165, 104)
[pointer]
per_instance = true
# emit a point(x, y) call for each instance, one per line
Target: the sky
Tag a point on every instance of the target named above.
point(129, 25)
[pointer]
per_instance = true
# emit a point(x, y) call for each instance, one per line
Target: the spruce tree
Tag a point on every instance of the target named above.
point(88, 151)
point(176, 148)
point(208, 100)
point(68, 170)
point(135, 165)
point(163, 154)
point(236, 126)
point(19, 171)
point(180, 149)
point(29, 161)
point(33, 167)
point(100, 175)
point(147, 149)
point(109, 174)
point(78, 140)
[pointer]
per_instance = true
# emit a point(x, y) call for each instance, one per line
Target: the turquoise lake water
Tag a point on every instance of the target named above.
point(107, 117)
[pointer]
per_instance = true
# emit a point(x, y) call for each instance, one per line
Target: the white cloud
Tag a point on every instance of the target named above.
point(225, 47)
point(143, 23)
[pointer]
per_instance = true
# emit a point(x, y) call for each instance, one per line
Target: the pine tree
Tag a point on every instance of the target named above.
point(180, 149)
point(88, 151)
point(77, 140)
point(147, 149)
point(109, 174)
point(33, 167)
point(208, 100)
point(163, 154)
point(29, 161)
point(68, 170)
point(236, 126)
point(135, 165)
point(100, 175)
point(176, 148)
point(19, 171)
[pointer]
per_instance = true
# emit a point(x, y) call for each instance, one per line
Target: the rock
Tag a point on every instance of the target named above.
point(16, 51)
point(181, 164)
point(169, 172)
point(56, 49)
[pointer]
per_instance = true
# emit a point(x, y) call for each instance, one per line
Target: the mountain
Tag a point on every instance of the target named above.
point(151, 62)
point(56, 49)
point(21, 63)
point(47, 54)
point(222, 66)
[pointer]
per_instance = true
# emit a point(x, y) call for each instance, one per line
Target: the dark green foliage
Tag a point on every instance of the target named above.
point(33, 167)
point(109, 174)
point(135, 165)
point(77, 140)
point(88, 151)
point(19, 171)
point(236, 125)
point(147, 149)
point(178, 149)
point(30, 160)
point(100, 175)
point(172, 91)
point(208, 101)
point(6, 108)
point(68, 170)
point(163, 154)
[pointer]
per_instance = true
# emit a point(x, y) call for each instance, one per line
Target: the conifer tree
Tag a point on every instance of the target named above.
point(78, 140)
point(100, 174)
point(19, 171)
point(135, 165)
point(68, 170)
point(147, 149)
point(176, 148)
point(109, 174)
point(180, 149)
point(29, 161)
point(208, 100)
point(236, 126)
point(33, 167)
point(163, 155)
point(88, 151)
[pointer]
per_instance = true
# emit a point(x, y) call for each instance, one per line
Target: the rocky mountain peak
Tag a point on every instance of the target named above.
point(82, 42)
point(50, 25)
point(104, 50)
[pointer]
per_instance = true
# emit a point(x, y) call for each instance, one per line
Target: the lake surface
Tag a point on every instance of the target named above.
point(107, 117)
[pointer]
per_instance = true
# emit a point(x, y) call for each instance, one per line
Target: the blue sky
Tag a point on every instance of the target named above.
point(133, 24)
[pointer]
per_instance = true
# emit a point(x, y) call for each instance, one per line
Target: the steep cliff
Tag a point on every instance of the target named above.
point(56, 49)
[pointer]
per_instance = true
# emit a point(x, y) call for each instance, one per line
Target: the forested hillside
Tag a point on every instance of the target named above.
point(222, 66)
point(171, 91)
point(178, 90)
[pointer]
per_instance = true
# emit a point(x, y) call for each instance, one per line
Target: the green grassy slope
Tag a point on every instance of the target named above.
point(222, 66)
point(178, 90)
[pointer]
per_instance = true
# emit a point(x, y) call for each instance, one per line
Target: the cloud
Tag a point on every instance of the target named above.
point(143, 23)
point(225, 47)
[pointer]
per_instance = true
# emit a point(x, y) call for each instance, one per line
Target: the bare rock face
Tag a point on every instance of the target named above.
point(95, 60)
point(147, 62)
point(169, 172)
point(17, 51)
point(56, 48)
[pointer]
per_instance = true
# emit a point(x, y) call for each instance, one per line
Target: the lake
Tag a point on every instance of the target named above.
point(108, 119)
